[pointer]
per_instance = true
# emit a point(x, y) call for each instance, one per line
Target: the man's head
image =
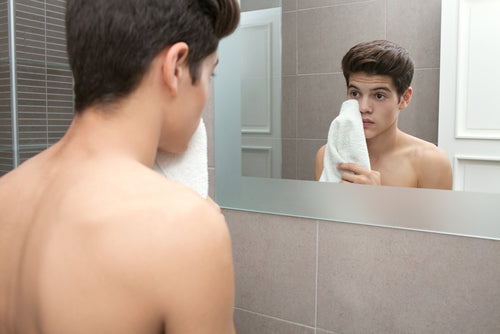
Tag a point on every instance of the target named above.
point(380, 58)
point(111, 43)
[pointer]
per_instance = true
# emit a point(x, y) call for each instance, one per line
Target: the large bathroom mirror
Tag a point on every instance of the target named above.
point(304, 68)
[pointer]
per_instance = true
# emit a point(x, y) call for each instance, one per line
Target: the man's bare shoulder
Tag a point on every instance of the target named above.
point(179, 246)
point(167, 223)
point(169, 246)
point(424, 151)
point(430, 162)
point(179, 209)
point(151, 201)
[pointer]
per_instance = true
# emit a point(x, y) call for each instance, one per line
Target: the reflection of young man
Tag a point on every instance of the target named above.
point(92, 240)
point(378, 75)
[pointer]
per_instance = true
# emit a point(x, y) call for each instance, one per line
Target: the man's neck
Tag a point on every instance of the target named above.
point(384, 143)
point(131, 130)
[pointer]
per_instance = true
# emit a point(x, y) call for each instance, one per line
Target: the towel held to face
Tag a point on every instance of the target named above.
point(346, 142)
point(190, 167)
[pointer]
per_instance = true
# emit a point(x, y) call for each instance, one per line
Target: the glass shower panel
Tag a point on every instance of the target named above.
point(44, 103)
point(6, 151)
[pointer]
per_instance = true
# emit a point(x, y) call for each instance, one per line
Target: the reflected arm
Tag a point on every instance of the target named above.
point(318, 165)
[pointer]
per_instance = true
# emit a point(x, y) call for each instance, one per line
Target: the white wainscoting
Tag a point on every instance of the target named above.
point(469, 111)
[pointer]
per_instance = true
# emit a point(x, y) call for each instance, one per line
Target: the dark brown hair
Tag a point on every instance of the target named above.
point(380, 57)
point(111, 43)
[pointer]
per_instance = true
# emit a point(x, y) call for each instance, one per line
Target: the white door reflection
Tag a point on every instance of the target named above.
point(260, 70)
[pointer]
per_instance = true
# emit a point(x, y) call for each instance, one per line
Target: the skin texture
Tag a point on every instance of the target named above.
point(93, 241)
point(396, 158)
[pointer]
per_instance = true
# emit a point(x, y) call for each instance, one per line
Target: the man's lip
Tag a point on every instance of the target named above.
point(367, 121)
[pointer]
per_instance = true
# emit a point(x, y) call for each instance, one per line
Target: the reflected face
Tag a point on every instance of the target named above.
point(192, 98)
point(197, 93)
point(378, 100)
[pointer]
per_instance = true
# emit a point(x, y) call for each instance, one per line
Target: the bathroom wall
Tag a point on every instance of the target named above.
point(248, 5)
point(316, 35)
point(295, 275)
point(305, 276)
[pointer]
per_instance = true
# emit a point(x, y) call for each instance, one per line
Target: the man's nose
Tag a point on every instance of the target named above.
point(364, 105)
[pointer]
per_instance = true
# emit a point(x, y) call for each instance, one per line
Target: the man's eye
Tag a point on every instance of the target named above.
point(380, 96)
point(354, 94)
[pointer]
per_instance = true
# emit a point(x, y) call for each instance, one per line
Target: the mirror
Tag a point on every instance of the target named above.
point(284, 122)
point(315, 36)
point(460, 213)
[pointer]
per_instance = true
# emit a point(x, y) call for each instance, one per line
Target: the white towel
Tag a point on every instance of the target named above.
point(190, 167)
point(346, 142)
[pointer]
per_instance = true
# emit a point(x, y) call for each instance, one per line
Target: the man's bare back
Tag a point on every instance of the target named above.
point(99, 244)
point(92, 240)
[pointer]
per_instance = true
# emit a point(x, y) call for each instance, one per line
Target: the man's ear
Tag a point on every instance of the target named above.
point(174, 65)
point(405, 98)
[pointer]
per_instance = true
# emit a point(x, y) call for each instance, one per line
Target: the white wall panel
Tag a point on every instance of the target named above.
point(256, 161)
point(256, 79)
point(477, 174)
point(478, 112)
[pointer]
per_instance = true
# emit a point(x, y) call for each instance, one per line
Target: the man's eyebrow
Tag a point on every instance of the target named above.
point(387, 89)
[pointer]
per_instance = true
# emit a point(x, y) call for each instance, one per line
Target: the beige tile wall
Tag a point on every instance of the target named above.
point(248, 5)
point(316, 35)
point(297, 275)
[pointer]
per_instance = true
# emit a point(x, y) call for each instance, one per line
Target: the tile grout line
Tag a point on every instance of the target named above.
point(316, 283)
point(46, 74)
point(274, 318)
point(296, 106)
point(385, 21)
point(347, 3)
point(296, 87)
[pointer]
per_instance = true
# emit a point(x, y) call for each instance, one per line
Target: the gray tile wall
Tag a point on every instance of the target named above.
point(44, 80)
point(45, 92)
point(249, 5)
point(297, 275)
point(316, 35)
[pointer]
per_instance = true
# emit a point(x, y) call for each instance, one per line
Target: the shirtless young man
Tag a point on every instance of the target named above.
point(378, 75)
point(92, 240)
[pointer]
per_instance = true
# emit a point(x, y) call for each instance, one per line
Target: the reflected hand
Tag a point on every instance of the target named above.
point(361, 175)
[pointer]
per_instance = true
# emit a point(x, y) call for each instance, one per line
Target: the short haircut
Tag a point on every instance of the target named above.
point(111, 43)
point(380, 57)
